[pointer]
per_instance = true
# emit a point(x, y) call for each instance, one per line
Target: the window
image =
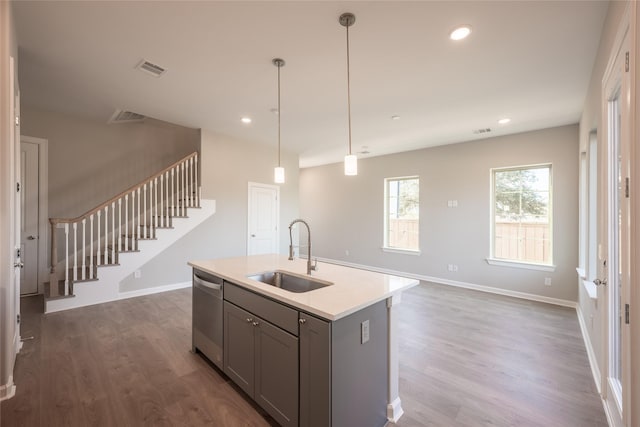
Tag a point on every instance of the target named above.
point(522, 214)
point(402, 213)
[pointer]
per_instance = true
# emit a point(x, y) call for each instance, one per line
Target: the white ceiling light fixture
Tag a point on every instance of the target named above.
point(246, 120)
point(278, 172)
point(504, 120)
point(350, 160)
point(460, 33)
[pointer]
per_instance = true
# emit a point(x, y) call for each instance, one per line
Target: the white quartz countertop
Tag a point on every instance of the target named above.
point(352, 289)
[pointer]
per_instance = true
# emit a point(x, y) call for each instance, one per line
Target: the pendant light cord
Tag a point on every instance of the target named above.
point(348, 89)
point(279, 115)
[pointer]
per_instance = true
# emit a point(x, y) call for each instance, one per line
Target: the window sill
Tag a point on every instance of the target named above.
point(402, 251)
point(525, 265)
point(589, 286)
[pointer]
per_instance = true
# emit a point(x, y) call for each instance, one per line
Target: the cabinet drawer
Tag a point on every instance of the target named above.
point(271, 311)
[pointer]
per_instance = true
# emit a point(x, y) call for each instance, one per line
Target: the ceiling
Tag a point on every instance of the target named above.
point(529, 61)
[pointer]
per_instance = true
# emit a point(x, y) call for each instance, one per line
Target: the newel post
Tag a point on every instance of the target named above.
point(53, 279)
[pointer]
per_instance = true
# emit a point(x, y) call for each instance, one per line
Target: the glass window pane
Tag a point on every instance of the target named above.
point(522, 214)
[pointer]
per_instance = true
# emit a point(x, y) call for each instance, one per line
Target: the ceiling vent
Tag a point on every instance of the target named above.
point(120, 116)
point(151, 68)
point(481, 131)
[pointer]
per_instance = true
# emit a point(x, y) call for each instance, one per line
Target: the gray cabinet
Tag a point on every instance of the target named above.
point(262, 358)
point(315, 372)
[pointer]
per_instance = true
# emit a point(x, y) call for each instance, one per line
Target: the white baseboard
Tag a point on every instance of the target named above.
point(394, 411)
point(466, 285)
point(8, 390)
point(593, 362)
point(155, 290)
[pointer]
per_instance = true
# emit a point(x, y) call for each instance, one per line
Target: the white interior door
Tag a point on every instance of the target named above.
point(29, 233)
point(264, 213)
point(614, 238)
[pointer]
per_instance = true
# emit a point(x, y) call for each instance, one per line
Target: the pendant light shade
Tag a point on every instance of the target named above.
point(350, 160)
point(350, 165)
point(278, 175)
point(278, 172)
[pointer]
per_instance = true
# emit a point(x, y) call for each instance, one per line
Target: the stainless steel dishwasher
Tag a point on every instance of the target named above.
point(207, 316)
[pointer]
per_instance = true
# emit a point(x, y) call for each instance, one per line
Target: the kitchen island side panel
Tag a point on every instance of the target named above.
point(359, 377)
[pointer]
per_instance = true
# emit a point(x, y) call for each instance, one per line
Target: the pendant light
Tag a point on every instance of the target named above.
point(278, 172)
point(350, 160)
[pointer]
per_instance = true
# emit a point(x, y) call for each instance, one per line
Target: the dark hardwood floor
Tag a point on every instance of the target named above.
point(466, 359)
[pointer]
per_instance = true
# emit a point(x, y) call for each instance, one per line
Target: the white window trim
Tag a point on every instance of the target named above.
point(521, 264)
point(514, 263)
point(415, 252)
point(385, 247)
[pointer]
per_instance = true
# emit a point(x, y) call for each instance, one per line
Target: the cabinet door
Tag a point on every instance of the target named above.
point(315, 372)
point(239, 346)
point(276, 380)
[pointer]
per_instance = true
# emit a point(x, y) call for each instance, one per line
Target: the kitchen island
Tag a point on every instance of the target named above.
point(326, 357)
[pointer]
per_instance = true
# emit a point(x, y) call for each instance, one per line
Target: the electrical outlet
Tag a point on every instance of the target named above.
point(547, 281)
point(137, 274)
point(346, 252)
point(364, 327)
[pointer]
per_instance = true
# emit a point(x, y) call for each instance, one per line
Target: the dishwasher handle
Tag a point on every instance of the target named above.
point(203, 283)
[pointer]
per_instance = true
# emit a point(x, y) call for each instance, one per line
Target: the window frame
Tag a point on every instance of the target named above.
point(385, 231)
point(492, 259)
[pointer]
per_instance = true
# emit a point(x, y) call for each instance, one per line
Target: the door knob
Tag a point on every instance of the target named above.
point(31, 238)
point(599, 282)
point(253, 235)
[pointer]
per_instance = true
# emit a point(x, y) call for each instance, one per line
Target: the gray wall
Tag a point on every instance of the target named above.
point(91, 161)
point(590, 120)
point(228, 166)
point(346, 213)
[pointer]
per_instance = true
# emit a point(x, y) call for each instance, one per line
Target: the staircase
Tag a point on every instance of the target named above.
point(108, 243)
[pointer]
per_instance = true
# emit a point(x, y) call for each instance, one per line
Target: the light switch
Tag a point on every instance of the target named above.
point(364, 326)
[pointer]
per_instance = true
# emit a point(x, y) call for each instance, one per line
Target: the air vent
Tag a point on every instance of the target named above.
point(120, 116)
point(151, 68)
point(481, 131)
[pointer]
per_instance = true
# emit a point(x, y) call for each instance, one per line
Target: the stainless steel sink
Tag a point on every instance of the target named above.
point(289, 281)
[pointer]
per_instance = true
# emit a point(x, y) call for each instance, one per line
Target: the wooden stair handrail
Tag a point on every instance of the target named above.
point(55, 221)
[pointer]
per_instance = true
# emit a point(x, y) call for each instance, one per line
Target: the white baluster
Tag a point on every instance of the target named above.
point(184, 189)
point(91, 262)
point(106, 234)
point(75, 251)
point(114, 260)
point(163, 216)
point(126, 221)
point(145, 233)
point(98, 261)
point(189, 181)
point(173, 192)
point(136, 226)
point(120, 225)
point(84, 245)
point(196, 181)
point(66, 259)
point(155, 206)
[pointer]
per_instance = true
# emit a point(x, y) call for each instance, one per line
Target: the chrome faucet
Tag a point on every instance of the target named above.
point(310, 267)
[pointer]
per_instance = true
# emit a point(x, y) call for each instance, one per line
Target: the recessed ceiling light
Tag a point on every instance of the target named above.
point(504, 120)
point(460, 32)
point(395, 117)
point(246, 120)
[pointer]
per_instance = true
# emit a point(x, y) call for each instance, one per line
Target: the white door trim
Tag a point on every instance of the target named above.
point(43, 207)
point(250, 186)
point(616, 402)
